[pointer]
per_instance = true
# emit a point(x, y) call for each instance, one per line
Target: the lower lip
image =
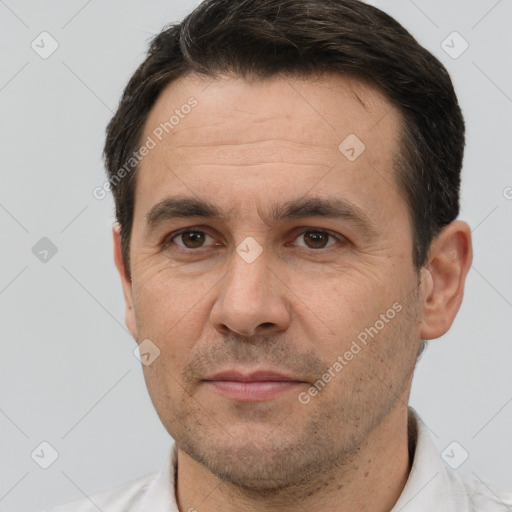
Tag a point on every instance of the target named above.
point(255, 391)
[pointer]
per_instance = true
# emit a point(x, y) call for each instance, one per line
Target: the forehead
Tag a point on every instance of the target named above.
point(284, 136)
point(320, 109)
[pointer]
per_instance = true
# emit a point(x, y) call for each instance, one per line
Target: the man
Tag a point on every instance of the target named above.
point(286, 176)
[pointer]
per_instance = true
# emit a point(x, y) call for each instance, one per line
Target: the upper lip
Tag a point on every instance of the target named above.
point(255, 376)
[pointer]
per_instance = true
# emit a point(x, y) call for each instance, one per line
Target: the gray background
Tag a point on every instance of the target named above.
point(67, 372)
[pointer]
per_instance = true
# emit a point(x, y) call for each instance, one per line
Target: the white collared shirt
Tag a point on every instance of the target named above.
point(432, 486)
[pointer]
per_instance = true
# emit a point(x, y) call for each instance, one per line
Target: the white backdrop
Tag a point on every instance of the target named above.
point(68, 376)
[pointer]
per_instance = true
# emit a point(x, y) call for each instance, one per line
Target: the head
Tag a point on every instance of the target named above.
point(290, 185)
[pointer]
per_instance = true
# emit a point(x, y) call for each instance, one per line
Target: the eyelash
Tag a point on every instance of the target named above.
point(168, 241)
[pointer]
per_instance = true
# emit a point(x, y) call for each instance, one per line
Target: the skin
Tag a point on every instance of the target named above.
point(247, 146)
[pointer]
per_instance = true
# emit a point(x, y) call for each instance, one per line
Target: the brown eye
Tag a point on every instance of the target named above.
point(191, 239)
point(315, 239)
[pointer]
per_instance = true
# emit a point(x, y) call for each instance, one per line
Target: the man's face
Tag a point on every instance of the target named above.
point(273, 284)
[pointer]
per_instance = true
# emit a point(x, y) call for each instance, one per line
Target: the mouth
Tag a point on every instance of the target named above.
point(255, 386)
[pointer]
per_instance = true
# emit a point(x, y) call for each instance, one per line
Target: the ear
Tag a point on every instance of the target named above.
point(125, 281)
point(450, 258)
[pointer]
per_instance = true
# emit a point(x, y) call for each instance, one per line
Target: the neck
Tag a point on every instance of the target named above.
point(373, 481)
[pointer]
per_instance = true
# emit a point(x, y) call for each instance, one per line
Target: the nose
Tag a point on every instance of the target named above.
point(251, 300)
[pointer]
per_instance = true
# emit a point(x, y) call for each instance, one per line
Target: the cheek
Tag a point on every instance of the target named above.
point(172, 313)
point(162, 300)
point(164, 391)
point(350, 302)
point(365, 323)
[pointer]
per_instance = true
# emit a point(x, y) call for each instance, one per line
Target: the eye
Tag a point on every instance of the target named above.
point(314, 239)
point(191, 239)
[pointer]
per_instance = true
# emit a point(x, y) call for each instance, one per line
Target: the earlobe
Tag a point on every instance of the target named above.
point(125, 280)
point(449, 262)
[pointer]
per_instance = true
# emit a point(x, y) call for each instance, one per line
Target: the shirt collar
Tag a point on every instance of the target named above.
point(429, 485)
point(161, 495)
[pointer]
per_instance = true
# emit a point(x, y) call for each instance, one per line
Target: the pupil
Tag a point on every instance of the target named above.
point(196, 238)
point(316, 238)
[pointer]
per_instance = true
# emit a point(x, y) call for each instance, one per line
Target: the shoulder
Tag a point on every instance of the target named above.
point(124, 497)
point(441, 487)
point(484, 497)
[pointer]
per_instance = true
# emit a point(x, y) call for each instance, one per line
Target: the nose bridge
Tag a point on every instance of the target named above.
point(249, 282)
point(249, 297)
point(251, 260)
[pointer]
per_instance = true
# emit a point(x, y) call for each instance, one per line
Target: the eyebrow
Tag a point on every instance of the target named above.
point(172, 208)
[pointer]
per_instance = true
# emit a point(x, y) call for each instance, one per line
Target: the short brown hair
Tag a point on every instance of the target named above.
point(299, 38)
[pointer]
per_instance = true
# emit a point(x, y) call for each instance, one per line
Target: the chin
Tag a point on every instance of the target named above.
point(251, 467)
point(260, 463)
